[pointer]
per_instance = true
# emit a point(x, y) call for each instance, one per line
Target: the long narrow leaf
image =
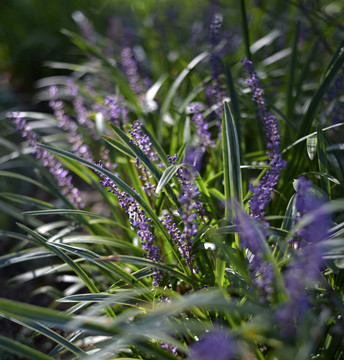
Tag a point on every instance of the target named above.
point(231, 161)
point(24, 351)
point(74, 266)
point(167, 176)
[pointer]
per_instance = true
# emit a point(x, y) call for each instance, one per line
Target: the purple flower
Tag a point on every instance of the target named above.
point(67, 124)
point(137, 219)
point(251, 238)
point(142, 140)
point(215, 345)
point(118, 111)
point(62, 176)
point(176, 236)
point(193, 157)
point(300, 275)
point(202, 132)
point(216, 91)
point(262, 193)
point(130, 67)
point(82, 114)
point(214, 39)
point(304, 269)
point(144, 143)
point(307, 202)
point(188, 212)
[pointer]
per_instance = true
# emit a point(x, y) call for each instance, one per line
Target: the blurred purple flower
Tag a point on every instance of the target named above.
point(75, 138)
point(307, 202)
point(62, 176)
point(130, 68)
point(118, 111)
point(215, 345)
point(193, 156)
point(304, 269)
point(251, 238)
point(82, 114)
point(217, 90)
point(262, 193)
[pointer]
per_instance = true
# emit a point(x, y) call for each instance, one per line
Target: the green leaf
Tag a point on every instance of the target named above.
point(231, 161)
point(33, 313)
point(26, 200)
point(24, 255)
point(161, 153)
point(74, 266)
point(22, 177)
point(165, 106)
point(98, 260)
point(234, 102)
point(24, 351)
point(322, 160)
point(44, 330)
point(146, 262)
point(103, 240)
point(167, 176)
point(311, 146)
point(176, 84)
point(119, 146)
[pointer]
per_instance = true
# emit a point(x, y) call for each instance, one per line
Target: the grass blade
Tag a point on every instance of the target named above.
point(322, 161)
point(231, 161)
point(73, 265)
point(24, 351)
point(167, 176)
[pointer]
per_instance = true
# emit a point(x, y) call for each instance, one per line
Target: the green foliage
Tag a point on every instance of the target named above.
point(111, 296)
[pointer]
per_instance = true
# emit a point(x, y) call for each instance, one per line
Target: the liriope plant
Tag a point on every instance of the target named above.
point(168, 233)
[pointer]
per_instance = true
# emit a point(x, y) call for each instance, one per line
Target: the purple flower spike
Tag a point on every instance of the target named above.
point(67, 124)
point(137, 219)
point(144, 143)
point(118, 111)
point(262, 193)
point(304, 269)
point(62, 176)
point(203, 134)
point(216, 345)
point(82, 114)
point(190, 209)
point(307, 202)
point(262, 271)
point(131, 70)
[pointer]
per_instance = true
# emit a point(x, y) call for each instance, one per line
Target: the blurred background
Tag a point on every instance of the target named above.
point(31, 33)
